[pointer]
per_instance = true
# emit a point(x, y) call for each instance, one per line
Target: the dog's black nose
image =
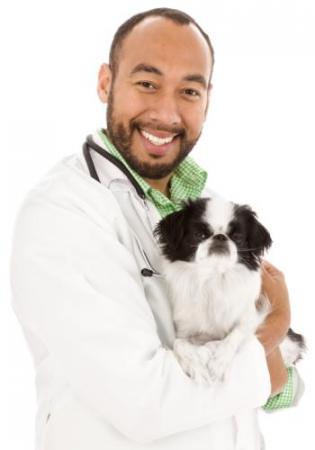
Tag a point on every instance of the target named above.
point(219, 245)
point(220, 237)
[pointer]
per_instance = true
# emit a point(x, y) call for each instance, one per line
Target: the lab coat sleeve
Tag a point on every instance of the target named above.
point(78, 288)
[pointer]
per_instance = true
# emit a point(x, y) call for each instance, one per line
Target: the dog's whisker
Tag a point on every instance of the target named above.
point(248, 249)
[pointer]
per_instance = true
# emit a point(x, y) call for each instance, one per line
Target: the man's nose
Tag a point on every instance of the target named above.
point(164, 109)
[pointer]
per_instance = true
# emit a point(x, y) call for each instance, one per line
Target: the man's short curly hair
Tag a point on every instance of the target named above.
point(175, 15)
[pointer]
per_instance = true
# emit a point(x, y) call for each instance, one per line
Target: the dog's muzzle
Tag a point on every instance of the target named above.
point(219, 245)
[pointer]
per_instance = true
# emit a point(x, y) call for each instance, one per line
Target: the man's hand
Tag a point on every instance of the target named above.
point(274, 329)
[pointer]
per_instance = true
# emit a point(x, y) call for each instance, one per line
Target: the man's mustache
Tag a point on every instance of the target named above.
point(157, 126)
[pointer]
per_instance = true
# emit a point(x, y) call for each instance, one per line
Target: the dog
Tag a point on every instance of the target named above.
point(211, 259)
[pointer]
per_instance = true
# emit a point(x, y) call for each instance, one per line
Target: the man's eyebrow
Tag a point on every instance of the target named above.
point(197, 78)
point(145, 68)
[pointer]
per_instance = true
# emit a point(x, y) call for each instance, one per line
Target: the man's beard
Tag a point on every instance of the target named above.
point(121, 136)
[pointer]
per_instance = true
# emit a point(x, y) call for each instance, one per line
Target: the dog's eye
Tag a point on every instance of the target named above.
point(236, 235)
point(200, 235)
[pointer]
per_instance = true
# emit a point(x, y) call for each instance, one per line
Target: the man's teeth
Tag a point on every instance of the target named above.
point(157, 140)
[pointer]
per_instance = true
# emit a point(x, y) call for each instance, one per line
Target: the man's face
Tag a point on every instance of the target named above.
point(158, 99)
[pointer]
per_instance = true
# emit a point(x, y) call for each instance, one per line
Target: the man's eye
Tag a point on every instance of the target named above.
point(146, 84)
point(192, 93)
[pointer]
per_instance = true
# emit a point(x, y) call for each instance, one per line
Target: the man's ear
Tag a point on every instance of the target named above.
point(104, 82)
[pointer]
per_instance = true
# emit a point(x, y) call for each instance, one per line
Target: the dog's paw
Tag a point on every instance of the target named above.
point(292, 348)
point(219, 361)
point(193, 360)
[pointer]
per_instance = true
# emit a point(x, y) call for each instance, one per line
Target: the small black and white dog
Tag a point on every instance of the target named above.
point(212, 252)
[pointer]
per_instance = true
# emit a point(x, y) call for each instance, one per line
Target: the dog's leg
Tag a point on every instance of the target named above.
point(193, 360)
point(222, 353)
point(292, 348)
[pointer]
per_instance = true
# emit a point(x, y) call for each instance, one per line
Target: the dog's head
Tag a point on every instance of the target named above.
point(213, 229)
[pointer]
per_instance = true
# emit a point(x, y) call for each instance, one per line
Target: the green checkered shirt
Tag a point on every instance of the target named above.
point(285, 398)
point(188, 181)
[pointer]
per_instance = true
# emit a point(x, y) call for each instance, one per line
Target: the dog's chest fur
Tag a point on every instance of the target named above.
point(207, 306)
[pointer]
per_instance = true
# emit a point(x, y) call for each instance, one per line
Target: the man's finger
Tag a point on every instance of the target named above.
point(270, 268)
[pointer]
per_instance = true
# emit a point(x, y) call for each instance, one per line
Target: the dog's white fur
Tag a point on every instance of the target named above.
point(215, 309)
point(213, 299)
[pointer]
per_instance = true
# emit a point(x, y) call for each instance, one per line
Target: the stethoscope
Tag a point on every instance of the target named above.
point(90, 144)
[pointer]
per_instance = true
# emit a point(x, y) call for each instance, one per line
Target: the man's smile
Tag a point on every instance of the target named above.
point(157, 138)
point(157, 143)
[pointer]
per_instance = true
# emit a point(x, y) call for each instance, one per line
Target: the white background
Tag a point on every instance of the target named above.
point(257, 145)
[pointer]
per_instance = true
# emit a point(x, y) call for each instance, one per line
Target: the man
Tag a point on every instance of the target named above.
point(85, 277)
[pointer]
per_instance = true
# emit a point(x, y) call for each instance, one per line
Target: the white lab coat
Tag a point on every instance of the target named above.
point(101, 334)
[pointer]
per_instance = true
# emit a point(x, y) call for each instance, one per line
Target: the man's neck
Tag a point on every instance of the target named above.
point(161, 185)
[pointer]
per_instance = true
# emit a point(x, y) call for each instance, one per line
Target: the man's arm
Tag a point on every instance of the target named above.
point(276, 325)
point(277, 371)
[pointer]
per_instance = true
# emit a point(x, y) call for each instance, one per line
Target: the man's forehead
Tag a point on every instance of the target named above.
point(160, 41)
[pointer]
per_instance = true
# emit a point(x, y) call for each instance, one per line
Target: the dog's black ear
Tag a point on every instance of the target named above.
point(172, 231)
point(258, 237)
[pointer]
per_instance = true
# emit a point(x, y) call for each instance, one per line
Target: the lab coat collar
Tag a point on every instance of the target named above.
point(109, 174)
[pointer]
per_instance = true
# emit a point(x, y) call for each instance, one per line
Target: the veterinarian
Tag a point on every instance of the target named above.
point(85, 270)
